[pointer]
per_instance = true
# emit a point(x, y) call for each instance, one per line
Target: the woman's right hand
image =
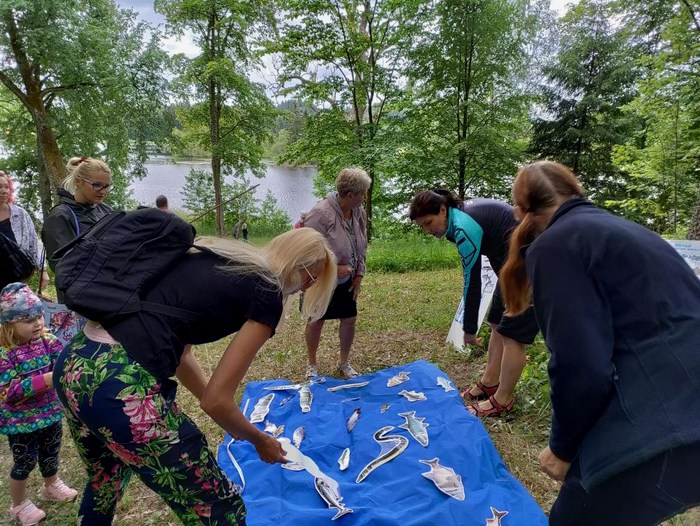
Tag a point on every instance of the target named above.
point(269, 449)
point(344, 271)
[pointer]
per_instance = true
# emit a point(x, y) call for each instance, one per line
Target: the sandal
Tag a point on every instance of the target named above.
point(496, 408)
point(485, 392)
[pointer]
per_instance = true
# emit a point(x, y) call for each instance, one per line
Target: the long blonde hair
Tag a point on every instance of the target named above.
point(281, 263)
point(7, 335)
point(79, 167)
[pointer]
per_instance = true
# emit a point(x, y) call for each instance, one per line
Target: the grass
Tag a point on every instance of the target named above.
point(402, 318)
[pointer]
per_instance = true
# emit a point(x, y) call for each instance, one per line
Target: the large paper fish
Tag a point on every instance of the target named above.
point(262, 407)
point(392, 447)
point(444, 478)
point(416, 427)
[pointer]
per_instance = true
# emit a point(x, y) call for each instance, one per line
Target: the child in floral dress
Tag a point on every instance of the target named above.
point(30, 414)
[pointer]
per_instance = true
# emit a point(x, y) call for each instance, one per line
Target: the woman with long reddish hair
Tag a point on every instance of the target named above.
point(620, 313)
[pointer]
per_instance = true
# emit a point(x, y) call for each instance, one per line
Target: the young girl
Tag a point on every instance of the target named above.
point(30, 414)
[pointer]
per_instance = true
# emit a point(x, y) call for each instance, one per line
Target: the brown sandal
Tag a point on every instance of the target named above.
point(496, 408)
point(485, 392)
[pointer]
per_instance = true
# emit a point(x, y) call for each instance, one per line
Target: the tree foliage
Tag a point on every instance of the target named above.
point(89, 81)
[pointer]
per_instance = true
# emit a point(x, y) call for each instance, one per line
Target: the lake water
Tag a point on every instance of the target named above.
point(291, 186)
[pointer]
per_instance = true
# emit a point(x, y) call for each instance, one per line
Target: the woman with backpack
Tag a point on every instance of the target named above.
point(619, 309)
point(80, 204)
point(19, 236)
point(116, 379)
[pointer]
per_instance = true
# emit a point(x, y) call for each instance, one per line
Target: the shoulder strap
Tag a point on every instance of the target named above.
point(75, 217)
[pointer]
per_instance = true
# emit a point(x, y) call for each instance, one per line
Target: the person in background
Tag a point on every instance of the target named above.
point(244, 229)
point(482, 227)
point(162, 203)
point(619, 309)
point(116, 380)
point(30, 414)
point(342, 220)
point(17, 225)
point(80, 204)
point(302, 220)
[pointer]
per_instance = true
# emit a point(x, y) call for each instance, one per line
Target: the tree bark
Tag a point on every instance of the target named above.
point(215, 132)
point(694, 228)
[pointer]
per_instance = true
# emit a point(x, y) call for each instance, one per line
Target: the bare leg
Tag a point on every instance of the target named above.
point(514, 360)
point(347, 336)
point(313, 338)
point(18, 491)
point(50, 480)
point(492, 373)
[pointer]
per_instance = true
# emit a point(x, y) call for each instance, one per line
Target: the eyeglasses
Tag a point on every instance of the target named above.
point(98, 187)
point(311, 279)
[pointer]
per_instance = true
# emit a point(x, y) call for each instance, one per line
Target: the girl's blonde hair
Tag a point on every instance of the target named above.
point(7, 335)
point(281, 264)
point(79, 167)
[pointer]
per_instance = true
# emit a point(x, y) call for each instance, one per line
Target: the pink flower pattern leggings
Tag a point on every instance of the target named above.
point(124, 421)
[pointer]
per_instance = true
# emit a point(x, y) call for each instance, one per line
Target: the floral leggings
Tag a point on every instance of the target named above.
point(123, 421)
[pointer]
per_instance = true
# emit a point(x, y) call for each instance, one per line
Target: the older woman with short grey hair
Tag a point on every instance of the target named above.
point(342, 220)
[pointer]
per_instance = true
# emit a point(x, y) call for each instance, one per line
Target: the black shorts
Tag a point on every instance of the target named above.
point(342, 304)
point(522, 328)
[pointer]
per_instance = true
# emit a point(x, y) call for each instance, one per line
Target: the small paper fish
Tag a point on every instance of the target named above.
point(271, 428)
point(398, 379)
point(350, 399)
point(344, 460)
point(298, 436)
point(262, 407)
point(305, 399)
point(495, 520)
point(445, 384)
point(347, 386)
point(444, 478)
point(412, 396)
point(286, 400)
point(416, 427)
point(287, 387)
point(385, 407)
point(245, 407)
point(354, 418)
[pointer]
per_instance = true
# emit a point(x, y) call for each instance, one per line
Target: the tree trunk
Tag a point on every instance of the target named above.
point(215, 132)
point(694, 228)
point(52, 171)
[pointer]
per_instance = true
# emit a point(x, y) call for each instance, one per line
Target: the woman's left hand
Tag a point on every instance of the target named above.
point(552, 465)
point(356, 287)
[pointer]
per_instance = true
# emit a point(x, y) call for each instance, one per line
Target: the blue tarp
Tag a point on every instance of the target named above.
point(395, 493)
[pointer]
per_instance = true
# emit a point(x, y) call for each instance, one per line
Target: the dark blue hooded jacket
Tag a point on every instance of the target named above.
point(620, 313)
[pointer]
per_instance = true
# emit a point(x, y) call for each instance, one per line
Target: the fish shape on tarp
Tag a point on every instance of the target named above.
point(327, 488)
point(286, 400)
point(273, 429)
point(398, 379)
point(344, 460)
point(305, 399)
point(495, 520)
point(299, 435)
point(262, 407)
point(347, 386)
point(392, 447)
point(354, 418)
point(416, 427)
point(444, 478)
point(286, 387)
point(384, 408)
point(412, 396)
point(445, 384)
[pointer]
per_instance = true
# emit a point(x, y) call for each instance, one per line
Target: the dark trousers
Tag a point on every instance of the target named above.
point(644, 495)
point(41, 445)
point(124, 421)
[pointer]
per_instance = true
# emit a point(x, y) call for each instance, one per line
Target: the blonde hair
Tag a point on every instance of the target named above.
point(353, 180)
point(281, 263)
point(79, 167)
point(7, 335)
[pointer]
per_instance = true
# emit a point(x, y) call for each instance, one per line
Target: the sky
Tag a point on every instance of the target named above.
point(172, 45)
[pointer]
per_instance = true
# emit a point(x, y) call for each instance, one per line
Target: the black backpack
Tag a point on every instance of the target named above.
point(15, 263)
point(103, 272)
